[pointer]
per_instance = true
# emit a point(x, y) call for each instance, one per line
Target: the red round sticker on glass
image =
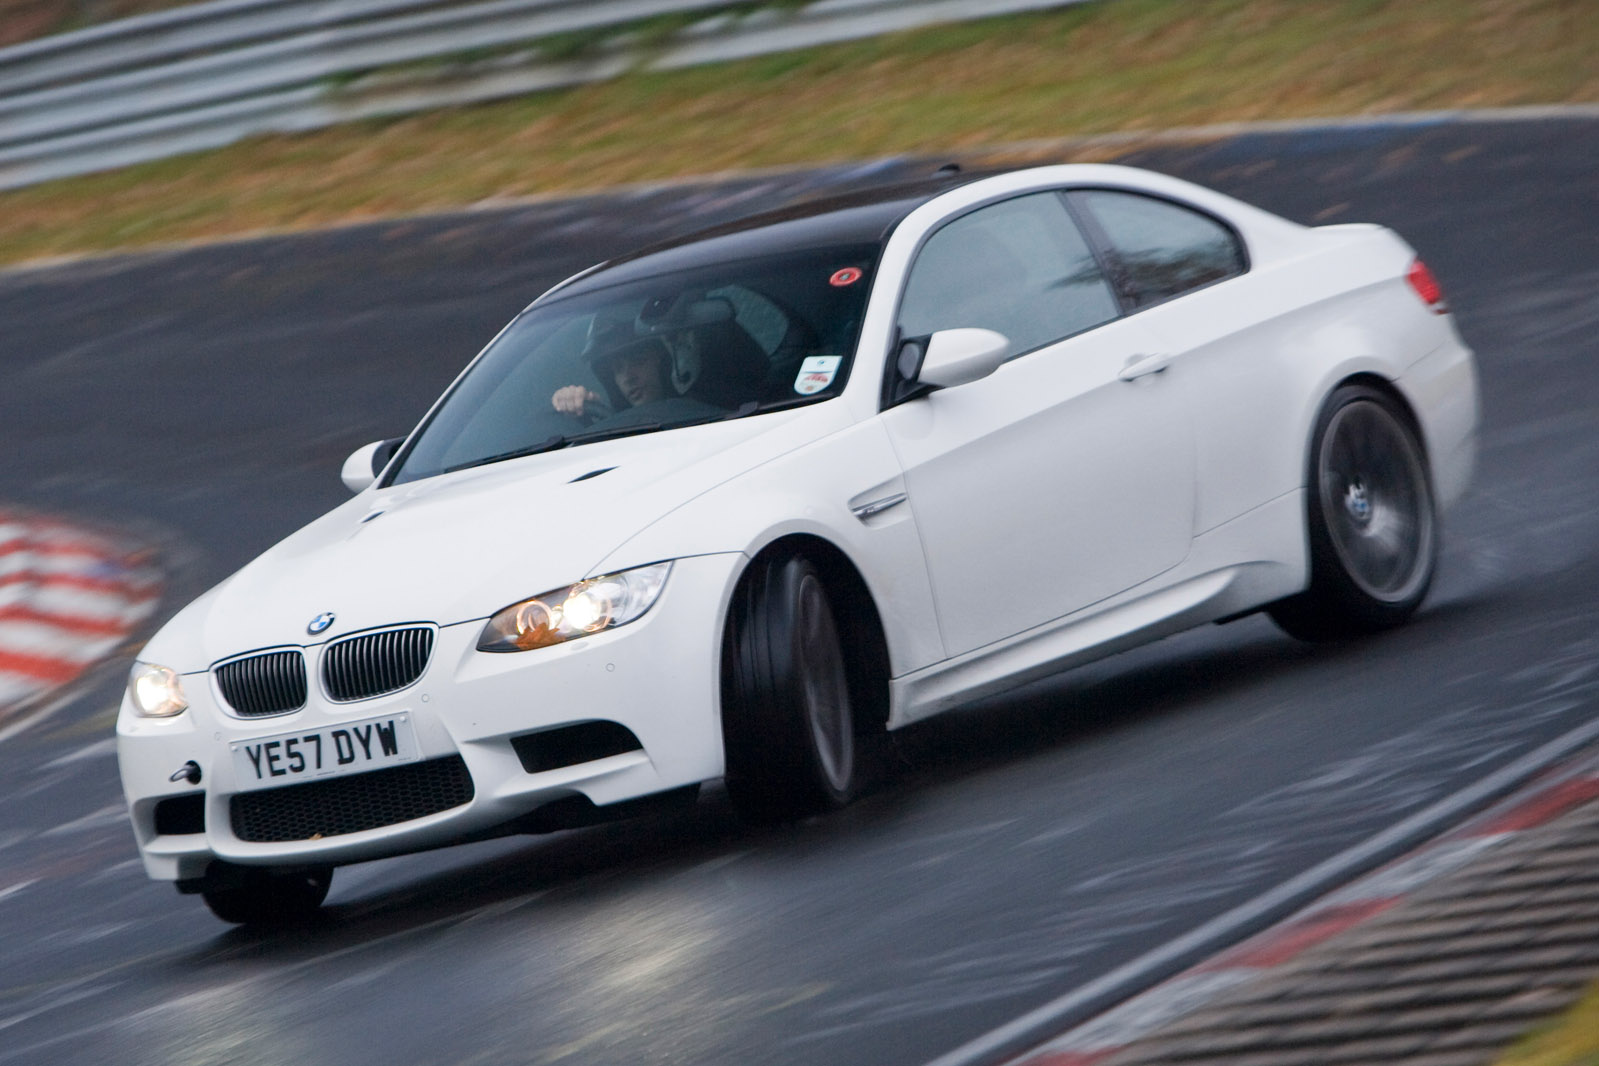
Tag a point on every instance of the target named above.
point(847, 276)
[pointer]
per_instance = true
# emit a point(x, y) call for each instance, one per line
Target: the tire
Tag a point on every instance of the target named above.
point(253, 896)
point(1371, 519)
point(788, 719)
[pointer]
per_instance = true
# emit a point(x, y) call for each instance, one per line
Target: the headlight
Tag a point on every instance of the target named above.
point(156, 691)
point(574, 611)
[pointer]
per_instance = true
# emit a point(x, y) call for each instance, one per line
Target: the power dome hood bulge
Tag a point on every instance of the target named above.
point(458, 547)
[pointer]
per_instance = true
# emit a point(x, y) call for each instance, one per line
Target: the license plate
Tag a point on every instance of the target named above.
point(350, 748)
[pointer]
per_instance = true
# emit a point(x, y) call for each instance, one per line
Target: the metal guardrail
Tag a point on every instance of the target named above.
point(209, 74)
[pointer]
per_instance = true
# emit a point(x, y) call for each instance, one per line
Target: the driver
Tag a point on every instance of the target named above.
point(635, 373)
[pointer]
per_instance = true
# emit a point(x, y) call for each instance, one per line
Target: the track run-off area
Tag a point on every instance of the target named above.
point(186, 409)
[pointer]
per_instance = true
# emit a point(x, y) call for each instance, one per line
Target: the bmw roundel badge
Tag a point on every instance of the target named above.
point(320, 623)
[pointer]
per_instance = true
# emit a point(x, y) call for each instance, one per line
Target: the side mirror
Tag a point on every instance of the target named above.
point(958, 356)
point(367, 462)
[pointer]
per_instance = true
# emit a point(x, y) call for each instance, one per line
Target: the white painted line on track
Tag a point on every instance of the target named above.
point(37, 715)
point(1193, 947)
point(12, 890)
point(104, 818)
point(107, 746)
point(16, 689)
point(60, 1001)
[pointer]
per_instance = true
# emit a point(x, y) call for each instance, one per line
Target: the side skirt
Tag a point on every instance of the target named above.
point(1234, 569)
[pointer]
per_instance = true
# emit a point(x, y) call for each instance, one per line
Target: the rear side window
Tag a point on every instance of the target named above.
point(1161, 249)
point(1019, 267)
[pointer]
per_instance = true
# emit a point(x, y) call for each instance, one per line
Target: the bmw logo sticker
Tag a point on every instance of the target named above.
point(320, 623)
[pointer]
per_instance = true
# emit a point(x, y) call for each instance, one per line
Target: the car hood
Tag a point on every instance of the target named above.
point(459, 546)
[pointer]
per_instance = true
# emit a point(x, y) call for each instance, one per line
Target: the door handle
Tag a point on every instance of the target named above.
point(1139, 366)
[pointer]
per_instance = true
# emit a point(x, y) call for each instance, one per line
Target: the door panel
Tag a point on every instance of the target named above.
point(1049, 485)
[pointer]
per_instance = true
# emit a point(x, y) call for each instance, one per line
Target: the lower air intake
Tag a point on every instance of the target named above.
point(569, 745)
point(178, 815)
point(351, 804)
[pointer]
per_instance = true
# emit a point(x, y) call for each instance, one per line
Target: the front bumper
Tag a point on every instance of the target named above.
point(657, 676)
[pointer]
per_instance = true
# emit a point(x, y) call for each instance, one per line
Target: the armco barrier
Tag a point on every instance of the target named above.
point(209, 74)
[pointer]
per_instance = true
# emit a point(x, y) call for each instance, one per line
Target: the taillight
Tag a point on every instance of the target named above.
point(1427, 287)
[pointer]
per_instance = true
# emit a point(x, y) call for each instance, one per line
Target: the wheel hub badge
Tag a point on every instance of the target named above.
point(320, 623)
point(1357, 503)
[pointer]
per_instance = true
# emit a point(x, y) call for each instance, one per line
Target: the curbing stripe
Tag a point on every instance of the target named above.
point(1299, 934)
point(69, 597)
point(1144, 1014)
point(140, 588)
point(1142, 974)
point(110, 626)
point(1539, 809)
point(38, 668)
point(49, 642)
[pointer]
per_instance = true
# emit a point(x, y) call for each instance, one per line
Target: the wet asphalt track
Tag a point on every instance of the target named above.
point(206, 399)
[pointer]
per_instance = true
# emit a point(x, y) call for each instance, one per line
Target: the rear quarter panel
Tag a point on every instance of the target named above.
point(1259, 354)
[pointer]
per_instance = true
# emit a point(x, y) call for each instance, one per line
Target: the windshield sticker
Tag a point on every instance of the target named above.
point(847, 276)
point(816, 373)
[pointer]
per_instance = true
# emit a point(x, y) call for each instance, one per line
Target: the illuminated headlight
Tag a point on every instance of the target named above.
point(156, 691)
point(574, 611)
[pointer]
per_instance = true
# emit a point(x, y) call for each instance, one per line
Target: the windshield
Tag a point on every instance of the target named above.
point(729, 340)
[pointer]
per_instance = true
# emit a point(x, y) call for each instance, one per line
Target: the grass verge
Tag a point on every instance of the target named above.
point(1119, 65)
point(24, 20)
point(1572, 1040)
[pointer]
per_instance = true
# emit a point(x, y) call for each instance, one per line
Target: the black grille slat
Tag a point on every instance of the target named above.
point(261, 685)
point(272, 683)
point(351, 804)
point(358, 668)
point(386, 664)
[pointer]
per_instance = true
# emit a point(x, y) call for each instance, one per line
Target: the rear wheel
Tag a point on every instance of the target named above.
point(788, 719)
point(1370, 514)
point(253, 896)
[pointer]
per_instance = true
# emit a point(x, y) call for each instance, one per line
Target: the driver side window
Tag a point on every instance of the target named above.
point(1020, 267)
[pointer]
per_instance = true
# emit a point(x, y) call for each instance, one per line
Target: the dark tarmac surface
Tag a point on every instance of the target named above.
point(205, 399)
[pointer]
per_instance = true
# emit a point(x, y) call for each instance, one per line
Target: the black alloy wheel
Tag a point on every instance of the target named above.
point(788, 719)
point(1371, 520)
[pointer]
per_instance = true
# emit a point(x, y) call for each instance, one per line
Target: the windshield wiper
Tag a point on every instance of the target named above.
point(777, 405)
point(548, 444)
point(563, 440)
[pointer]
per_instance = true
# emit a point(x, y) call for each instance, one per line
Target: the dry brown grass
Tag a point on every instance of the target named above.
point(1115, 66)
point(22, 20)
point(1571, 1040)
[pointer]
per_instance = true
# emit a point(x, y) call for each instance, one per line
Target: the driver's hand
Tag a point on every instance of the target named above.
point(571, 399)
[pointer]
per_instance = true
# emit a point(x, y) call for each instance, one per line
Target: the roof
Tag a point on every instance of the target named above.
point(864, 216)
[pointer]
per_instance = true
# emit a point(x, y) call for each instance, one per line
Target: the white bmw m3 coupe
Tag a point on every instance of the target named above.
point(733, 507)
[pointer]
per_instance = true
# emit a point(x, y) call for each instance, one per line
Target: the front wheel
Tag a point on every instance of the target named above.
point(1370, 518)
point(787, 717)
